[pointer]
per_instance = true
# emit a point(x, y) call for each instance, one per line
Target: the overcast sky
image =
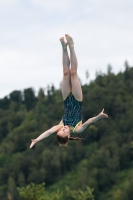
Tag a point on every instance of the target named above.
point(30, 51)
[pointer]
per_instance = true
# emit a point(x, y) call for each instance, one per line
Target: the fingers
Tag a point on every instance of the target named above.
point(31, 146)
point(103, 110)
point(33, 143)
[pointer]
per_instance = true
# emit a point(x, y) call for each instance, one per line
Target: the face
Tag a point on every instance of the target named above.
point(64, 132)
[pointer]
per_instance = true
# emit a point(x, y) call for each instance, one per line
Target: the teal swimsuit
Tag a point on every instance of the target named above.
point(72, 112)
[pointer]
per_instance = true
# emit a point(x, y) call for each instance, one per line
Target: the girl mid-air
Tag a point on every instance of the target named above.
point(72, 96)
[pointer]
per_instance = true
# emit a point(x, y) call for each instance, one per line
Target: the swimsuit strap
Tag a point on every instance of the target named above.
point(75, 127)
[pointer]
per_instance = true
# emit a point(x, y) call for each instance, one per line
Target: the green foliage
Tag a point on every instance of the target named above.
point(11, 187)
point(80, 194)
point(123, 189)
point(29, 98)
point(37, 192)
point(97, 162)
point(16, 96)
point(32, 192)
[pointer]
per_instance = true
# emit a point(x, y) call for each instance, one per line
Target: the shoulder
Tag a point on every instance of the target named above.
point(80, 128)
point(56, 128)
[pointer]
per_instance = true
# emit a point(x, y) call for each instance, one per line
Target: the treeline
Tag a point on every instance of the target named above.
point(16, 106)
point(38, 192)
point(98, 162)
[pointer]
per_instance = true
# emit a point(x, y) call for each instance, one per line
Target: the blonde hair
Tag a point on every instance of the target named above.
point(63, 141)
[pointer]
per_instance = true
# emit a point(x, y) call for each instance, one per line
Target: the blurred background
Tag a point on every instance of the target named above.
point(31, 100)
point(30, 51)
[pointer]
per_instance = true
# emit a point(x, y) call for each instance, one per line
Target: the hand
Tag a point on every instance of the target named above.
point(34, 141)
point(102, 114)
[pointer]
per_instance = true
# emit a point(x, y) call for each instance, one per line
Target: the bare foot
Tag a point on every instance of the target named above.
point(64, 44)
point(69, 40)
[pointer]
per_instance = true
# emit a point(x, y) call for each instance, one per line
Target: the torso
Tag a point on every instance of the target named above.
point(72, 112)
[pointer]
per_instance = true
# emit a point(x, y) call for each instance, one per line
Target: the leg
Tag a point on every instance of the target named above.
point(66, 82)
point(76, 86)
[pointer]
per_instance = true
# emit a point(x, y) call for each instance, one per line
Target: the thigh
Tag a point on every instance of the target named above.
point(76, 87)
point(66, 85)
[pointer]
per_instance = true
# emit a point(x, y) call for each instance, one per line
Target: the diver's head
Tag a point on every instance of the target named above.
point(63, 135)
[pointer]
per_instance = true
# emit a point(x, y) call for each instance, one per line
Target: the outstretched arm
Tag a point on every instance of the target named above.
point(45, 134)
point(82, 127)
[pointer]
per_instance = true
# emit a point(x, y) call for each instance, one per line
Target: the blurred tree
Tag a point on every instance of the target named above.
point(32, 192)
point(29, 98)
point(11, 189)
point(37, 192)
point(16, 96)
point(3, 192)
point(98, 161)
point(3, 127)
point(41, 94)
point(21, 179)
point(80, 194)
point(87, 76)
point(117, 195)
point(109, 69)
point(4, 103)
point(126, 65)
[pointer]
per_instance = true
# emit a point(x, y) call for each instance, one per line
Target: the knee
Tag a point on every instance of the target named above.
point(66, 72)
point(73, 72)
